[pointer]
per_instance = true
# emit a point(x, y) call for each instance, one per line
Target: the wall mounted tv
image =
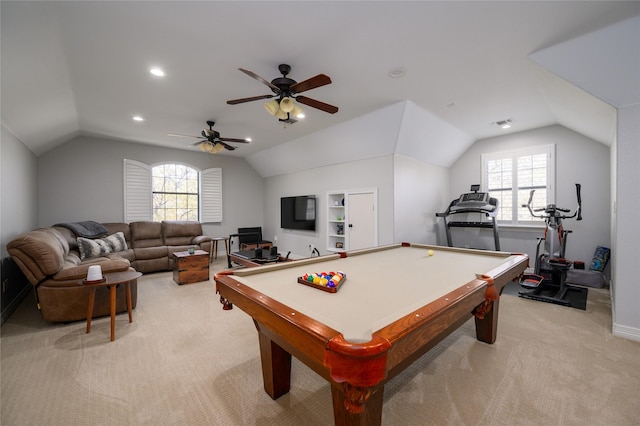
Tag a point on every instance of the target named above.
point(298, 212)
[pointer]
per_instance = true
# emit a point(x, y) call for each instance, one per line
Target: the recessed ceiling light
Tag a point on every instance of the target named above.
point(397, 72)
point(248, 139)
point(137, 118)
point(158, 72)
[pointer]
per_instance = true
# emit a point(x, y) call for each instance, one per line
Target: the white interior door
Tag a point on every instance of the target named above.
point(362, 220)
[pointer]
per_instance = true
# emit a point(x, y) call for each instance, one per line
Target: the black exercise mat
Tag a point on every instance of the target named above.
point(577, 296)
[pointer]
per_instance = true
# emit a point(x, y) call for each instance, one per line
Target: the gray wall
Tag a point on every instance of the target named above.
point(18, 189)
point(578, 160)
point(83, 180)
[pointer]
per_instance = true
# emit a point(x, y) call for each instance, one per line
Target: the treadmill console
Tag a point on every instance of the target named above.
point(478, 197)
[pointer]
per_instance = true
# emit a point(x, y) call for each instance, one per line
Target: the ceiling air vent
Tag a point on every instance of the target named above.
point(505, 124)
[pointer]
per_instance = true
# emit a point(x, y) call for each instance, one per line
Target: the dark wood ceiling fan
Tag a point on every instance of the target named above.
point(284, 87)
point(212, 138)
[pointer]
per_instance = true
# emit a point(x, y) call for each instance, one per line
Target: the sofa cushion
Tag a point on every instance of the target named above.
point(100, 246)
point(125, 254)
point(40, 251)
point(146, 234)
point(180, 233)
point(79, 272)
point(151, 253)
point(114, 227)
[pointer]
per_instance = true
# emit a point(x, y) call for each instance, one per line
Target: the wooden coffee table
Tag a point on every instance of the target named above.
point(111, 280)
point(190, 268)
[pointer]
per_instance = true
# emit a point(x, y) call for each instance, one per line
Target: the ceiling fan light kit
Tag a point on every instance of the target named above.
point(211, 148)
point(284, 109)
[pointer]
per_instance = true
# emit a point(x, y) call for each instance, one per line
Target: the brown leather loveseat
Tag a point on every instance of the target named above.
point(52, 261)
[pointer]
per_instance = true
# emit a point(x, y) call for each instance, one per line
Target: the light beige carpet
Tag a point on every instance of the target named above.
point(185, 361)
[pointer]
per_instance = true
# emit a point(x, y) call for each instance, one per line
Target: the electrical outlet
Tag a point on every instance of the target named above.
point(275, 238)
point(311, 247)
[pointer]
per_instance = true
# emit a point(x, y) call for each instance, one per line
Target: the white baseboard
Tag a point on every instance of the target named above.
point(618, 330)
point(626, 332)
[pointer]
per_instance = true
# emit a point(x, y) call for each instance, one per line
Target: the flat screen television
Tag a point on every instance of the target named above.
point(298, 212)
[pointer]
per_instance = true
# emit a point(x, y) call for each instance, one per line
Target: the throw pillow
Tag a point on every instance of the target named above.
point(101, 246)
point(116, 241)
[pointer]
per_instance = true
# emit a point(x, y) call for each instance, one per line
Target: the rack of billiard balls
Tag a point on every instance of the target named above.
point(327, 281)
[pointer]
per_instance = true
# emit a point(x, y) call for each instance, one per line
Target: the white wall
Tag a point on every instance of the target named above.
point(83, 180)
point(626, 252)
point(578, 160)
point(368, 136)
point(422, 136)
point(370, 173)
point(420, 190)
point(18, 189)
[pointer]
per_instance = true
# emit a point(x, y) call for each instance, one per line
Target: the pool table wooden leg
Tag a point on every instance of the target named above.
point(487, 328)
point(276, 366)
point(372, 414)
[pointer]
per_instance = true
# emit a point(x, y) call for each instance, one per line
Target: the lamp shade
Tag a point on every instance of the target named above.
point(287, 105)
point(282, 115)
point(271, 106)
point(297, 112)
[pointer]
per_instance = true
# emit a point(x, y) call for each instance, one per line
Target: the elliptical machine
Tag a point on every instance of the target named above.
point(547, 283)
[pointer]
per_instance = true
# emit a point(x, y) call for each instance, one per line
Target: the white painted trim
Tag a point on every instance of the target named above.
point(626, 332)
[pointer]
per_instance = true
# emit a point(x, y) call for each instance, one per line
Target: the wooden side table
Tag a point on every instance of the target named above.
point(190, 268)
point(214, 247)
point(111, 280)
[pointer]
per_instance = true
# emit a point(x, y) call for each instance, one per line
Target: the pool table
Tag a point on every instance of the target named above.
point(396, 303)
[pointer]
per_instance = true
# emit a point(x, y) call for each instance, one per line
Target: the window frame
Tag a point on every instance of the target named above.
point(514, 155)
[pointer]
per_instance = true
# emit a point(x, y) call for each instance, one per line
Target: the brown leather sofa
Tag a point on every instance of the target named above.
point(50, 259)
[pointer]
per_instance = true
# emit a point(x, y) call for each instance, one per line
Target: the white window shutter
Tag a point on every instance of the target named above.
point(137, 191)
point(211, 195)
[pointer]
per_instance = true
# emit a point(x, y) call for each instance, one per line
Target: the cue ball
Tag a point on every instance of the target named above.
point(430, 252)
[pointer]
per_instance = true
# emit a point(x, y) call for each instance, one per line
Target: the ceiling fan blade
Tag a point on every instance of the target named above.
point(254, 98)
point(229, 147)
point(257, 77)
point(199, 143)
point(233, 140)
point(183, 136)
point(311, 83)
point(317, 104)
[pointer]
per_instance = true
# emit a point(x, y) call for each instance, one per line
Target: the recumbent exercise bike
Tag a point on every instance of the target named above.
point(551, 266)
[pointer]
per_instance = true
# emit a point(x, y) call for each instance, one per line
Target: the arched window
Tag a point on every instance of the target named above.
point(175, 192)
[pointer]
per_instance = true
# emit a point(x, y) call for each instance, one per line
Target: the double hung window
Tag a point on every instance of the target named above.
point(511, 175)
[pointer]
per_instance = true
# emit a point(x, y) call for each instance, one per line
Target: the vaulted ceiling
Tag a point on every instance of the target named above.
point(82, 68)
